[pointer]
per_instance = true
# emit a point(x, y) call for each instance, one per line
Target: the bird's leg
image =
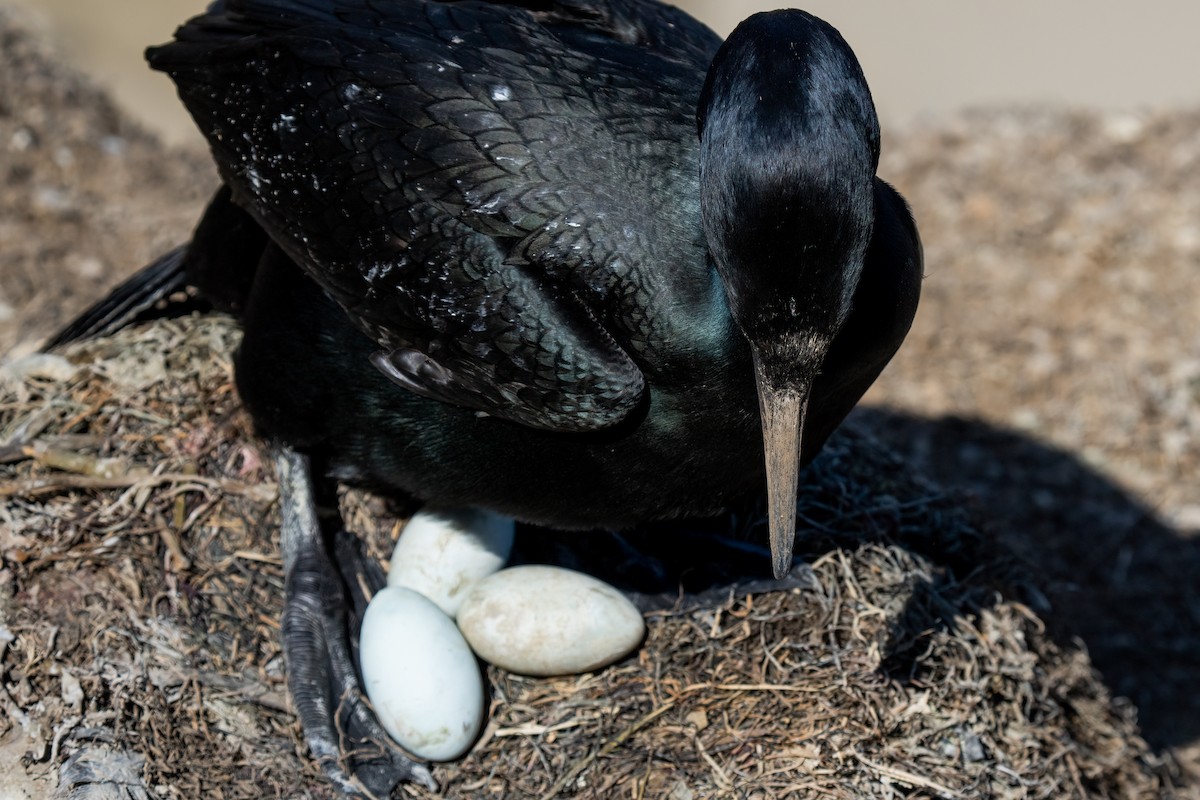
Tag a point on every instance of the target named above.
point(341, 730)
point(327, 579)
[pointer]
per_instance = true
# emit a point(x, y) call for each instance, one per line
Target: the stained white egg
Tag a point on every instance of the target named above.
point(442, 552)
point(541, 620)
point(420, 675)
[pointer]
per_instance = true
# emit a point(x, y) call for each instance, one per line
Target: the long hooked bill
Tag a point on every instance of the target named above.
point(782, 414)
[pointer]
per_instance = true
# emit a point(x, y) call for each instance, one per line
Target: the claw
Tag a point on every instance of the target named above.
point(340, 728)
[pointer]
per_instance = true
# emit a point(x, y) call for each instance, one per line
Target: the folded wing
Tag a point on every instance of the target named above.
point(478, 185)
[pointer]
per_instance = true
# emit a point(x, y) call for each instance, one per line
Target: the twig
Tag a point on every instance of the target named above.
point(610, 746)
point(909, 778)
point(41, 486)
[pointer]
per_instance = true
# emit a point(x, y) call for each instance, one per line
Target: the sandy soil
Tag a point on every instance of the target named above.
point(933, 57)
point(1054, 370)
point(1052, 377)
point(65, 153)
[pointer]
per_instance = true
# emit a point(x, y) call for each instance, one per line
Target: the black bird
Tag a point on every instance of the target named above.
point(576, 261)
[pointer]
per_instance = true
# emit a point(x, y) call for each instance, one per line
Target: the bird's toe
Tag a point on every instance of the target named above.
point(340, 728)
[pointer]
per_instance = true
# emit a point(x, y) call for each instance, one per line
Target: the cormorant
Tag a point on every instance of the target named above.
point(576, 261)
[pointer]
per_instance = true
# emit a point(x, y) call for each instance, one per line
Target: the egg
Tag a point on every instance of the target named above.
point(442, 552)
point(541, 620)
point(420, 675)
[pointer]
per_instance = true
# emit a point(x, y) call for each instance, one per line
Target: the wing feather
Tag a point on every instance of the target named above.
point(500, 194)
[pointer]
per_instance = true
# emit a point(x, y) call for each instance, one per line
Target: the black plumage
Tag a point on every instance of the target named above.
point(576, 261)
point(505, 207)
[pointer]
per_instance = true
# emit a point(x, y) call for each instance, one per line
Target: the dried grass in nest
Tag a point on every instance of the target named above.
point(142, 590)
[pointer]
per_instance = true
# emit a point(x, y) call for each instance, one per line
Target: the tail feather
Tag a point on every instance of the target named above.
point(130, 301)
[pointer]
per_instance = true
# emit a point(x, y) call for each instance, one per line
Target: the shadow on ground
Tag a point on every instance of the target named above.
point(1095, 563)
point(1117, 579)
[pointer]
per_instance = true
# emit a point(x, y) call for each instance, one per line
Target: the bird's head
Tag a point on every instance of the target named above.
point(789, 147)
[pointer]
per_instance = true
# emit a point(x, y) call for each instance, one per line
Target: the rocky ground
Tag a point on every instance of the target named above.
point(1054, 371)
point(1051, 386)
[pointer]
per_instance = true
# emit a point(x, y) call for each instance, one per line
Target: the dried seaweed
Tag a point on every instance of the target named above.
point(904, 672)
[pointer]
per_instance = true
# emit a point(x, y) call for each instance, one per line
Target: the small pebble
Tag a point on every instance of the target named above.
point(46, 366)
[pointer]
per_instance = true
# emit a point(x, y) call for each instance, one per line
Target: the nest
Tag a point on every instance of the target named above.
point(141, 589)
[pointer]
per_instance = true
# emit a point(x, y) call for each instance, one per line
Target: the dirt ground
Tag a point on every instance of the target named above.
point(1050, 388)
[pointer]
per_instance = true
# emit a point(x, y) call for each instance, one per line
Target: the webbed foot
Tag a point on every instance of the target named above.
point(677, 567)
point(339, 726)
